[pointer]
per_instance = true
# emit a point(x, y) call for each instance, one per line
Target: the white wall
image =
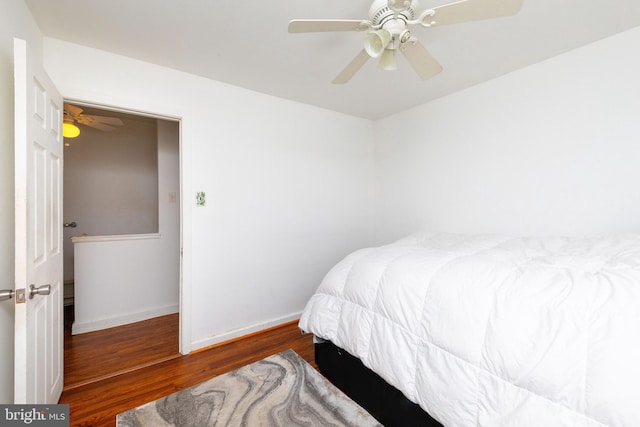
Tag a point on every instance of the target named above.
point(289, 186)
point(169, 210)
point(123, 279)
point(15, 21)
point(111, 183)
point(111, 180)
point(550, 149)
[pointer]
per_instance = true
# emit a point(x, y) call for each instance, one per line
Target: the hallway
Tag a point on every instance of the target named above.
point(99, 355)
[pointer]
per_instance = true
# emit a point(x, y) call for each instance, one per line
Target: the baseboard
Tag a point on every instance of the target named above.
point(80, 328)
point(237, 333)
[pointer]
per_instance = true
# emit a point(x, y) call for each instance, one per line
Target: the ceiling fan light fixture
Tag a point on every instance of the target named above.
point(70, 130)
point(388, 60)
point(388, 31)
point(376, 42)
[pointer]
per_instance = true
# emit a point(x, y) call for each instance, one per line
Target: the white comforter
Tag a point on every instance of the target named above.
point(494, 331)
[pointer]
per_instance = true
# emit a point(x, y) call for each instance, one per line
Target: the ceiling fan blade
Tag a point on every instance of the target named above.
point(352, 68)
point(99, 126)
point(322, 25)
point(72, 109)
point(114, 121)
point(420, 59)
point(474, 10)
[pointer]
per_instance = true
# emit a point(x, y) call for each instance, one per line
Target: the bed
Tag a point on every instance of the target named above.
point(486, 330)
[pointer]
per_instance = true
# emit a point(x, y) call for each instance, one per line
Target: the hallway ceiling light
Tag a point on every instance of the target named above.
point(70, 130)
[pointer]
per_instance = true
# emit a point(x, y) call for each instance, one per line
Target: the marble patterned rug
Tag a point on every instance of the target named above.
point(281, 390)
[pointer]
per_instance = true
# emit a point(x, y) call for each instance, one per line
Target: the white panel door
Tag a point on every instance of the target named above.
point(38, 231)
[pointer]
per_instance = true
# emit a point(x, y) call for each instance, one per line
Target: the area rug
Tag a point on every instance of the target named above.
point(281, 390)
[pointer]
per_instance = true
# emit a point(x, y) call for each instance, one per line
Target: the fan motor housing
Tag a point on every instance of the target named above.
point(380, 12)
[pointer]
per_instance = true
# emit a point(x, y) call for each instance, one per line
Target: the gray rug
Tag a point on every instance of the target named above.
point(281, 390)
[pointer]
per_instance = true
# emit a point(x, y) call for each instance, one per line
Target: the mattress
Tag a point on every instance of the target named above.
point(494, 330)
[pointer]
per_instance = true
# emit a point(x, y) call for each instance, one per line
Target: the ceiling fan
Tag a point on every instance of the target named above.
point(387, 31)
point(73, 115)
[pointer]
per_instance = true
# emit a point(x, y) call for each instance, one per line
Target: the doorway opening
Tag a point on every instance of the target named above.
point(122, 242)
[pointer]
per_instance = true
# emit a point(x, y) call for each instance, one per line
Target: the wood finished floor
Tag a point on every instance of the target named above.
point(102, 354)
point(96, 396)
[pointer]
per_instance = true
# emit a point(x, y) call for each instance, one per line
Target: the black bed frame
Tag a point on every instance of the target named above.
point(388, 405)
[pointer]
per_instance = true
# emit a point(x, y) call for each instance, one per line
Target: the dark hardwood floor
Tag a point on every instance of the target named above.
point(137, 376)
point(102, 354)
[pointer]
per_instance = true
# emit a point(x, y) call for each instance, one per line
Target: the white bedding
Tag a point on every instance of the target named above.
point(494, 331)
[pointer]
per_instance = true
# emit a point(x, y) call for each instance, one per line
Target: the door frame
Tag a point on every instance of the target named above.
point(165, 113)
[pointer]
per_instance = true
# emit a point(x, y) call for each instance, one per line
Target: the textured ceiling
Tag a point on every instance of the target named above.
point(246, 44)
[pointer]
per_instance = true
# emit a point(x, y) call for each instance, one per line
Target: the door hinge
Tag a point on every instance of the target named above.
point(21, 296)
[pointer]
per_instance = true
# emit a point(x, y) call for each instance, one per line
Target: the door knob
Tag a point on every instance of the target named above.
point(70, 224)
point(6, 294)
point(40, 290)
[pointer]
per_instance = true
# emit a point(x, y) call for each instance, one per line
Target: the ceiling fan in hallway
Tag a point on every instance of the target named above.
point(387, 31)
point(74, 114)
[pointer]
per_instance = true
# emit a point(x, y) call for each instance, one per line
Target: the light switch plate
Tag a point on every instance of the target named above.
point(200, 198)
